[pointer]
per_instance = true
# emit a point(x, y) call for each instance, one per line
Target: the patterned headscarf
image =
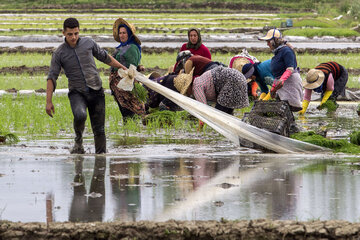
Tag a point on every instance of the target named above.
point(199, 42)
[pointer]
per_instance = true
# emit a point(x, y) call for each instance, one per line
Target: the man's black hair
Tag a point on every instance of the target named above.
point(71, 23)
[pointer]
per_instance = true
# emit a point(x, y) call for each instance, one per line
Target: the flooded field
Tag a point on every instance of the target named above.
point(196, 178)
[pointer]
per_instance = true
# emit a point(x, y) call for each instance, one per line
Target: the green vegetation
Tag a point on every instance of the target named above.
point(329, 105)
point(320, 32)
point(36, 78)
point(165, 59)
point(8, 138)
point(309, 18)
point(355, 137)
point(25, 116)
point(337, 145)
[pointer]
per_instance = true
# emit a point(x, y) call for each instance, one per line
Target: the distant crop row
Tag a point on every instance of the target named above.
point(161, 61)
point(304, 24)
point(164, 60)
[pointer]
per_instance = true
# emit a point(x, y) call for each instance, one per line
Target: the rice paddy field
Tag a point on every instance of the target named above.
point(27, 70)
point(163, 167)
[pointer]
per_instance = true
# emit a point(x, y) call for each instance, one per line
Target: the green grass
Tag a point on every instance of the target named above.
point(319, 23)
point(166, 59)
point(163, 61)
point(25, 59)
point(25, 116)
point(178, 22)
point(320, 32)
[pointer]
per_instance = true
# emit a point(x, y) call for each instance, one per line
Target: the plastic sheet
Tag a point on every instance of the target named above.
point(230, 126)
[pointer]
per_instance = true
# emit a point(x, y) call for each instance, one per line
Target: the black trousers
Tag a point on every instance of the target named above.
point(94, 102)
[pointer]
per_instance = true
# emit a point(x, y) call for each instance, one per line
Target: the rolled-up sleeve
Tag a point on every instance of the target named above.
point(100, 54)
point(55, 68)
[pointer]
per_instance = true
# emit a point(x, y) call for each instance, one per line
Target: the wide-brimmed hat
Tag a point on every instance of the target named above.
point(272, 33)
point(183, 81)
point(153, 75)
point(239, 62)
point(121, 21)
point(314, 79)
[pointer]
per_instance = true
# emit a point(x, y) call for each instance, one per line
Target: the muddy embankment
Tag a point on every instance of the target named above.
point(156, 50)
point(253, 229)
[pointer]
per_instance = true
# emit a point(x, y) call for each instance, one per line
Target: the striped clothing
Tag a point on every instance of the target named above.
point(336, 77)
point(330, 67)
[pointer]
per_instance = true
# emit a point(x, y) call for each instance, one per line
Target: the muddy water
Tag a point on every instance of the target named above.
point(184, 179)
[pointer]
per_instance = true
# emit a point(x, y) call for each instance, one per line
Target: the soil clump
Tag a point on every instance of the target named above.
point(253, 229)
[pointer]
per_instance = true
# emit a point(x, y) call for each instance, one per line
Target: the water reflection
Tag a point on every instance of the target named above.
point(124, 178)
point(88, 207)
point(201, 187)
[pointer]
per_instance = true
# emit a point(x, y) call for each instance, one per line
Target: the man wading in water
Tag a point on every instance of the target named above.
point(76, 57)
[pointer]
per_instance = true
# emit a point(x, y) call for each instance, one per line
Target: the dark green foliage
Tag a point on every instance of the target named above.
point(8, 138)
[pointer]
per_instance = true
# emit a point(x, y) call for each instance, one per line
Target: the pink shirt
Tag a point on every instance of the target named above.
point(329, 87)
point(202, 50)
point(203, 88)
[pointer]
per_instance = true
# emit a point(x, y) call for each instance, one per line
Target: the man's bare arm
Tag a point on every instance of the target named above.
point(50, 110)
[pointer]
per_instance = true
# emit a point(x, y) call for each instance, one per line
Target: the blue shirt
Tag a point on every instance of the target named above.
point(263, 70)
point(284, 58)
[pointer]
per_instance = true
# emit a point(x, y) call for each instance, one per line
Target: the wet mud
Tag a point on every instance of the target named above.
point(254, 229)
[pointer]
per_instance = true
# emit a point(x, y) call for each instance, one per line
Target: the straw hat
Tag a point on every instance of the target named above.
point(314, 79)
point(239, 62)
point(153, 75)
point(183, 81)
point(272, 33)
point(119, 22)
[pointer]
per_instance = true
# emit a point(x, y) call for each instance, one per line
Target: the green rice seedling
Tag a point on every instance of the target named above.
point(8, 138)
point(341, 145)
point(133, 125)
point(330, 105)
point(160, 60)
point(140, 92)
point(312, 32)
point(164, 118)
point(318, 23)
point(26, 81)
point(355, 137)
point(25, 59)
